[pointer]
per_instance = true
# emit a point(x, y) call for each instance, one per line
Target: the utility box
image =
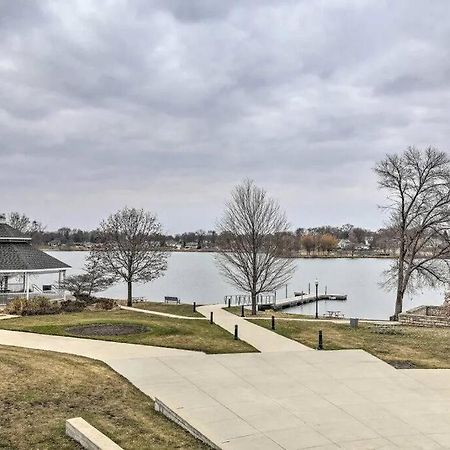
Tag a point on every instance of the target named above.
point(354, 323)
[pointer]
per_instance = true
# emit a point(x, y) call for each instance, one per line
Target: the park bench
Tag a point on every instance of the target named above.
point(169, 299)
point(138, 299)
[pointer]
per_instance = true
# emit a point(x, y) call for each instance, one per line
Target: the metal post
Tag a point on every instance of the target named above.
point(320, 346)
point(317, 299)
point(309, 288)
point(27, 284)
point(326, 288)
point(229, 302)
point(236, 336)
point(194, 306)
point(242, 311)
point(273, 322)
point(211, 318)
point(286, 291)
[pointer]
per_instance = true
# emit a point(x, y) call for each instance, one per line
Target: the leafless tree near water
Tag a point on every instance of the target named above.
point(418, 186)
point(251, 228)
point(128, 251)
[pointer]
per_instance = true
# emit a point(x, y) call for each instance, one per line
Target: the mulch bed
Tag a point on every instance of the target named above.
point(105, 329)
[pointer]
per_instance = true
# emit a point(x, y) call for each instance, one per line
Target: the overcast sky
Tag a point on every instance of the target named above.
point(167, 104)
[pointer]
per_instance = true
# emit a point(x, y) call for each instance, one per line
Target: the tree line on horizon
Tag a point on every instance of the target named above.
point(323, 239)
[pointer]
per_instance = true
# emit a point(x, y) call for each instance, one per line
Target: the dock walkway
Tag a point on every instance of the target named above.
point(299, 300)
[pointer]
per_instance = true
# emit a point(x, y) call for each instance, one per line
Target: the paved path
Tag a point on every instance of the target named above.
point(260, 338)
point(281, 400)
point(157, 313)
point(91, 348)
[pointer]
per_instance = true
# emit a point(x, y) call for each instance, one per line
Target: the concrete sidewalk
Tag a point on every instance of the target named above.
point(280, 400)
point(260, 338)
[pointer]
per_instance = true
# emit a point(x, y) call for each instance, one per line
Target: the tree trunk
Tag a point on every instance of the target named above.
point(398, 303)
point(253, 304)
point(130, 294)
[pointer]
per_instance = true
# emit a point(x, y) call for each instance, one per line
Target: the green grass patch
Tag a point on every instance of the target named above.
point(40, 390)
point(398, 345)
point(180, 310)
point(197, 335)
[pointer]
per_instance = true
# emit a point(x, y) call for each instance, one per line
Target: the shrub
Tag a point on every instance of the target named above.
point(33, 306)
point(103, 303)
point(72, 305)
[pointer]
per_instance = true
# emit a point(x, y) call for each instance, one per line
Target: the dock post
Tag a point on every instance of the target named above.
point(326, 290)
point(273, 322)
point(242, 311)
point(320, 346)
point(194, 306)
point(211, 317)
point(309, 288)
point(236, 336)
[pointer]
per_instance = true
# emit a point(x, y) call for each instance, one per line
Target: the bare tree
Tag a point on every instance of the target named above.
point(308, 242)
point(23, 223)
point(418, 185)
point(252, 227)
point(94, 279)
point(128, 250)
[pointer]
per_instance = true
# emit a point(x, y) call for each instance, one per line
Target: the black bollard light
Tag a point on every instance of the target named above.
point(229, 302)
point(194, 306)
point(236, 336)
point(242, 311)
point(211, 318)
point(320, 346)
point(273, 322)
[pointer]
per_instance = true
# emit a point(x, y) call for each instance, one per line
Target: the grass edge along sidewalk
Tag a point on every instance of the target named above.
point(198, 335)
point(401, 346)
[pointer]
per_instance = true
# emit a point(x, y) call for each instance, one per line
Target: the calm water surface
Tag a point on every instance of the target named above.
point(194, 276)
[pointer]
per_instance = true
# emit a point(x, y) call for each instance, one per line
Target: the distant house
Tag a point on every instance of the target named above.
point(344, 244)
point(191, 245)
point(171, 243)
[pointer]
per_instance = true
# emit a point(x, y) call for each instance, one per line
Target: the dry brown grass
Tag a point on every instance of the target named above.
point(40, 390)
point(423, 347)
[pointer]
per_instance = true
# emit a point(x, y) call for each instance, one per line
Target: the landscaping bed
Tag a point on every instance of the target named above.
point(400, 346)
point(161, 331)
point(40, 390)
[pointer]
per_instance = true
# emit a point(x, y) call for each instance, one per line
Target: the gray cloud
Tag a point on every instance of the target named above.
point(167, 104)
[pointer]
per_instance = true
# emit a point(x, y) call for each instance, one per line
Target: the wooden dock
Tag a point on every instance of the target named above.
point(303, 300)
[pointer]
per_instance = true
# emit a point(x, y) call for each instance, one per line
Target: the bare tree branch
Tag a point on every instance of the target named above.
point(127, 250)
point(251, 231)
point(418, 186)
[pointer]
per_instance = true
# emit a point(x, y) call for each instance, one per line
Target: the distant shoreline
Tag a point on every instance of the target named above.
point(210, 250)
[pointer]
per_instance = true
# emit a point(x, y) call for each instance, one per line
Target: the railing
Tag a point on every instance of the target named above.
point(6, 297)
point(245, 299)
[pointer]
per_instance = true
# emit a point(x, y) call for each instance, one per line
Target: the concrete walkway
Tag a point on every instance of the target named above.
point(280, 400)
point(158, 313)
point(260, 338)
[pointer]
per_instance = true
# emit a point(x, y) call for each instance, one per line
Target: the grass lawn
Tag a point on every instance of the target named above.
point(162, 331)
point(268, 313)
point(181, 309)
point(40, 390)
point(406, 346)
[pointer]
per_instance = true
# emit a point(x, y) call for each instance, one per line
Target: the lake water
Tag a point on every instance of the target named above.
point(194, 276)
